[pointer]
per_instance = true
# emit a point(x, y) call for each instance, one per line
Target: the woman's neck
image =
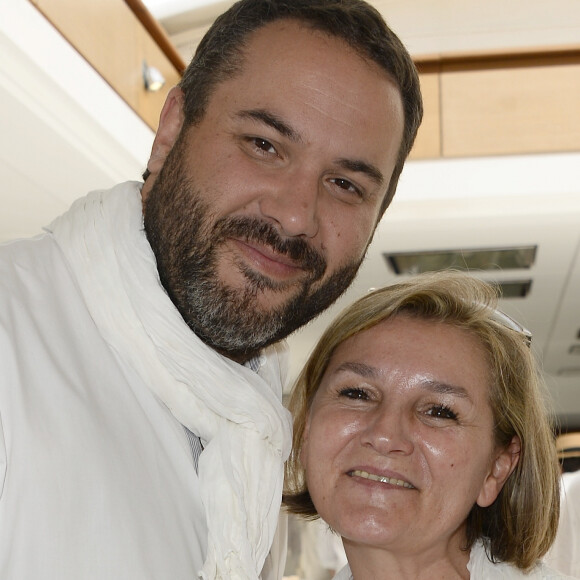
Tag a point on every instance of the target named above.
point(444, 562)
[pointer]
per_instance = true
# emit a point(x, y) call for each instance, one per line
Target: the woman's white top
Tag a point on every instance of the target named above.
point(480, 568)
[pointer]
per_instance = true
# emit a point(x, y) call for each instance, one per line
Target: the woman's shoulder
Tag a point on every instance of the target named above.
point(544, 572)
point(481, 568)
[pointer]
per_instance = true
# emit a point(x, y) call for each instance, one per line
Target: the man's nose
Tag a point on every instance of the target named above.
point(388, 431)
point(292, 202)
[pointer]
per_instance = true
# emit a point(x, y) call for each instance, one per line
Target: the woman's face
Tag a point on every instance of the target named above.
point(398, 445)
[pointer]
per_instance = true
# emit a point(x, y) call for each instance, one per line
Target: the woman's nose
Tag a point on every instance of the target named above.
point(388, 431)
point(292, 202)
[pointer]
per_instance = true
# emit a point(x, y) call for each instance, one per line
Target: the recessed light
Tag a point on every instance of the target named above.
point(512, 258)
point(569, 372)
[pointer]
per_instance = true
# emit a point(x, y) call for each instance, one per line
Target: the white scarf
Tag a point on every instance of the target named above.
point(239, 416)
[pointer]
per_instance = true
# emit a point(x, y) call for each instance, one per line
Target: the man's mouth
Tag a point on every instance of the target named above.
point(265, 243)
point(269, 254)
point(381, 478)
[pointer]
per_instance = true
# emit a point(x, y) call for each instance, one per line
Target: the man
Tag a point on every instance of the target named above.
point(140, 380)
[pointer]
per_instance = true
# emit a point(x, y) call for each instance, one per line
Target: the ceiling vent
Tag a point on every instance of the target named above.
point(514, 258)
point(513, 288)
point(486, 259)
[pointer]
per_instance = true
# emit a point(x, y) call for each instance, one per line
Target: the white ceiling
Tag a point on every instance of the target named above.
point(64, 131)
point(63, 128)
point(425, 26)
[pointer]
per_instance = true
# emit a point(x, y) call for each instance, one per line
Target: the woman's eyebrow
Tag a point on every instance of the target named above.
point(361, 369)
point(442, 388)
point(370, 372)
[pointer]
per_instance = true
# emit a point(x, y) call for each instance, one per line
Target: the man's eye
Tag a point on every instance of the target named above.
point(263, 145)
point(442, 412)
point(345, 184)
point(354, 393)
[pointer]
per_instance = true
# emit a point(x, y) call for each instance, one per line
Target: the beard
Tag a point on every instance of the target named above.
point(186, 241)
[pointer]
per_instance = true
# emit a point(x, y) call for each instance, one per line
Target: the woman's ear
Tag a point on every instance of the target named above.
point(304, 441)
point(170, 123)
point(501, 468)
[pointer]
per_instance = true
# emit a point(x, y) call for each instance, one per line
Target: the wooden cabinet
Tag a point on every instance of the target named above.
point(508, 104)
point(108, 34)
point(511, 107)
point(475, 105)
point(428, 142)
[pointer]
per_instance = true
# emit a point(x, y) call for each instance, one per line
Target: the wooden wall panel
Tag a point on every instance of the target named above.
point(475, 105)
point(428, 142)
point(508, 108)
point(109, 36)
point(150, 104)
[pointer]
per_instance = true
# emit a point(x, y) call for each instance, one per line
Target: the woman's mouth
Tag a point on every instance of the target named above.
point(381, 478)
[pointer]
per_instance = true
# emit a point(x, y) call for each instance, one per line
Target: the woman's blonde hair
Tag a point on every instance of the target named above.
point(520, 526)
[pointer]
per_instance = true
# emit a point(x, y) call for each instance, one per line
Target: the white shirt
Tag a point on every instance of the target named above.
point(97, 480)
point(565, 552)
point(480, 568)
point(79, 499)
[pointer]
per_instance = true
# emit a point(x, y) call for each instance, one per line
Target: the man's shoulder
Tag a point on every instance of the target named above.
point(29, 266)
point(24, 245)
point(22, 255)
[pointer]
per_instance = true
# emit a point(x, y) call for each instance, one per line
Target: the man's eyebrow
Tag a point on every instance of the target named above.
point(272, 120)
point(362, 167)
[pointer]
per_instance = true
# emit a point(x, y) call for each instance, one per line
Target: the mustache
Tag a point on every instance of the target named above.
point(255, 230)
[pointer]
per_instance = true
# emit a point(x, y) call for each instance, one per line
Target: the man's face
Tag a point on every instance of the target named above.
point(262, 212)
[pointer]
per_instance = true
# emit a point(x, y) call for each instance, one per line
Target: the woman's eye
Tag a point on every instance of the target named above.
point(354, 393)
point(442, 412)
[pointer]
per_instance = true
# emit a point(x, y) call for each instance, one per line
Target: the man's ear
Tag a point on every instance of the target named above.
point(170, 123)
point(502, 467)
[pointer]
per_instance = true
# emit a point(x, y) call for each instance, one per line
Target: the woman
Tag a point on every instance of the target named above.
point(421, 437)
